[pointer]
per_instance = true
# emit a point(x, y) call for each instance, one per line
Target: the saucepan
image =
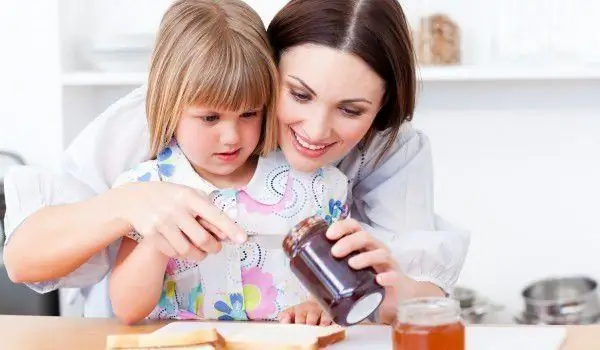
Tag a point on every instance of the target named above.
point(561, 300)
point(474, 308)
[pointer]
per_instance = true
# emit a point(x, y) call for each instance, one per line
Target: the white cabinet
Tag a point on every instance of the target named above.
point(30, 90)
point(50, 91)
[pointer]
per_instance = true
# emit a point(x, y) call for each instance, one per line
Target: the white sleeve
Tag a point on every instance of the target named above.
point(111, 144)
point(394, 201)
point(28, 189)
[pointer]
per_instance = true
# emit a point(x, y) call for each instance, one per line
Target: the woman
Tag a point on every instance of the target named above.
point(347, 96)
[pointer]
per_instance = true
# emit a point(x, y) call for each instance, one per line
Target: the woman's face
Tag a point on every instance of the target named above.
point(328, 102)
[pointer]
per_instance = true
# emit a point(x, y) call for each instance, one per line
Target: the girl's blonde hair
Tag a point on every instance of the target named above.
point(216, 53)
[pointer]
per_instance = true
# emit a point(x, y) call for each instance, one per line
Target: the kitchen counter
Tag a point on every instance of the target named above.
point(62, 333)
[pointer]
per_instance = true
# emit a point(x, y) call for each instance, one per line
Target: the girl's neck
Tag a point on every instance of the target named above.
point(237, 179)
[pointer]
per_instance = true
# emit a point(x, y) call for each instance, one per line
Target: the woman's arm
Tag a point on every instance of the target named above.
point(136, 281)
point(393, 201)
point(65, 237)
point(54, 241)
point(112, 143)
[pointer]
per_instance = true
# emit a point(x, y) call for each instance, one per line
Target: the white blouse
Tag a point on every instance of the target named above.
point(393, 199)
point(251, 281)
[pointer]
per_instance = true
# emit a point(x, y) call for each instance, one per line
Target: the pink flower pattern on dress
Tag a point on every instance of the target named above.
point(259, 293)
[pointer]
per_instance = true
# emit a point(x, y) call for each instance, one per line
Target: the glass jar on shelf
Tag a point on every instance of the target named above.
point(437, 36)
point(438, 40)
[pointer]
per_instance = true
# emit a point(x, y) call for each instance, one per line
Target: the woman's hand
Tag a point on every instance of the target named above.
point(372, 253)
point(309, 312)
point(177, 220)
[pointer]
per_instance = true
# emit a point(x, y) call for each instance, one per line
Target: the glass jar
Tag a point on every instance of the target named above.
point(429, 324)
point(349, 296)
point(438, 40)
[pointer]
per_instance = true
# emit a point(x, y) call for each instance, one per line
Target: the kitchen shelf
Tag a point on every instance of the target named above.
point(508, 73)
point(92, 78)
point(427, 74)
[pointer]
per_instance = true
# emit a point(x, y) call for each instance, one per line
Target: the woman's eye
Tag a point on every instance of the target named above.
point(299, 96)
point(350, 112)
point(210, 118)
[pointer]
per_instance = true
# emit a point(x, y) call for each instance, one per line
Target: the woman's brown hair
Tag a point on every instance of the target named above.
point(374, 30)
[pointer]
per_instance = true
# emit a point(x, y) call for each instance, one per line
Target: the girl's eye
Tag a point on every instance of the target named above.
point(350, 112)
point(210, 118)
point(299, 96)
point(250, 114)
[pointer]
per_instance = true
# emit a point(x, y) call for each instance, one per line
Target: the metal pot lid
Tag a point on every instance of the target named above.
point(558, 289)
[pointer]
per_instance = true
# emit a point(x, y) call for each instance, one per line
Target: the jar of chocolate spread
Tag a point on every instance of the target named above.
point(348, 295)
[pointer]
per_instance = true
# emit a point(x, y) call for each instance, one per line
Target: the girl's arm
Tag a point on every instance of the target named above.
point(136, 281)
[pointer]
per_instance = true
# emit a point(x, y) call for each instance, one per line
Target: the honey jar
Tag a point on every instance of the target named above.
point(429, 324)
point(348, 295)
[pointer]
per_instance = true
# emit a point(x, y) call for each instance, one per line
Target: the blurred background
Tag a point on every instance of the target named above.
point(510, 98)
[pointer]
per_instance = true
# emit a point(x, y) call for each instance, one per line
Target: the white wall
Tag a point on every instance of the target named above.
point(517, 163)
point(522, 177)
point(29, 72)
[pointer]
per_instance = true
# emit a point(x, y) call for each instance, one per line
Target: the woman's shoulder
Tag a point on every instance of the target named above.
point(114, 141)
point(361, 161)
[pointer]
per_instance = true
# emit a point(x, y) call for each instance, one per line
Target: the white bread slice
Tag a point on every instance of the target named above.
point(202, 339)
point(285, 337)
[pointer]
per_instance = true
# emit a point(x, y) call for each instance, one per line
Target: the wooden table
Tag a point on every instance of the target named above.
point(63, 333)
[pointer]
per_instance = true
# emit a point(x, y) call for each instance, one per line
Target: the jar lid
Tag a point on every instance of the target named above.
point(429, 311)
point(300, 230)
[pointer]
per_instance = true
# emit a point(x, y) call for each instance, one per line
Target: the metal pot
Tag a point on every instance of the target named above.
point(563, 300)
point(474, 309)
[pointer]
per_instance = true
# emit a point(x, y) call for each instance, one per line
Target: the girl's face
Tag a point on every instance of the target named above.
point(328, 102)
point(218, 143)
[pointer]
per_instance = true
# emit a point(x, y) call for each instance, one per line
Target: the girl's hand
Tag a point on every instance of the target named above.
point(309, 312)
point(177, 220)
point(372, 253)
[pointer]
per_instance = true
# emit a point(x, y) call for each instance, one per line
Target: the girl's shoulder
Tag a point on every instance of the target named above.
point(276, 161)
point(143, 172)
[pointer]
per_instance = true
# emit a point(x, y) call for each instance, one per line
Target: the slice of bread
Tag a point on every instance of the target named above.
point(248, 336)
point(285, 337)
point(202, 339)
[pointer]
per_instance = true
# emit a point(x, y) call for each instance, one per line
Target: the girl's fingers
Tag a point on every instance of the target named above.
point(357, 241)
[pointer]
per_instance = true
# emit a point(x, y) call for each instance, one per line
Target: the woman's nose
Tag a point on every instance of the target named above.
point(317, 127)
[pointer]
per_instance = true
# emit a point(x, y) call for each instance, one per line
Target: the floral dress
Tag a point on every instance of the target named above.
point(251, 281)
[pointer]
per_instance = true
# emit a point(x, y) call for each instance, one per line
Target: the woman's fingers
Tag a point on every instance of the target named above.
point(357, 241)
point(342, 228)
point(390, 278)
point(380, 259)
point(161, 244)
point(176, 238)
point(197, 234)
point(208, 212)
point(212, 229)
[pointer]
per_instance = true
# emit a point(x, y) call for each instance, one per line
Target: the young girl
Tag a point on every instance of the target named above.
point(210, 101)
